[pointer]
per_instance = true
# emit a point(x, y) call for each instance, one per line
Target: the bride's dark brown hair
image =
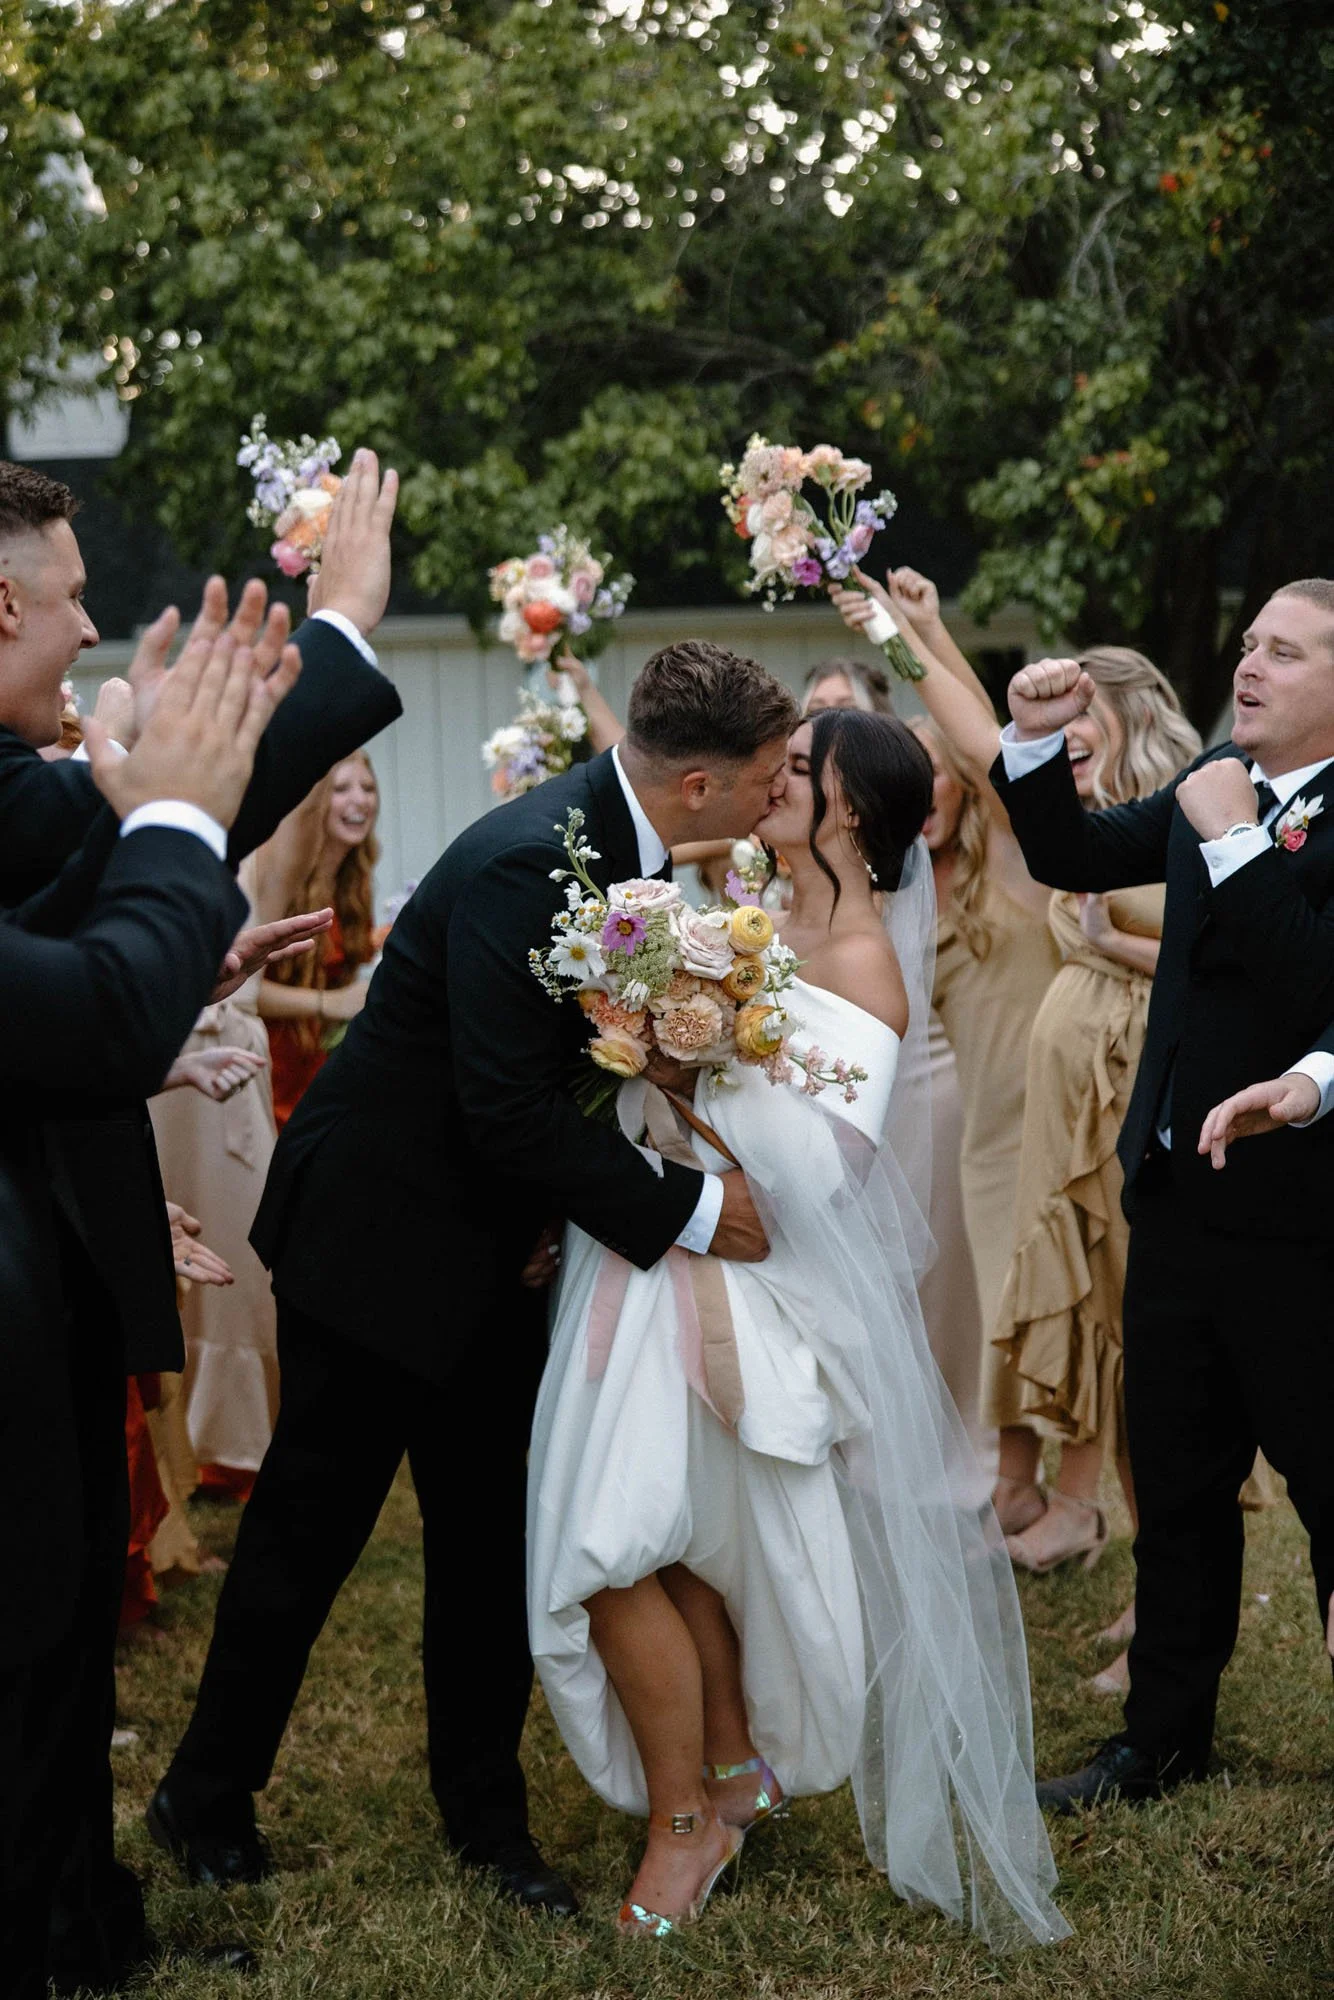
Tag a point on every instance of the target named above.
point(887, 783)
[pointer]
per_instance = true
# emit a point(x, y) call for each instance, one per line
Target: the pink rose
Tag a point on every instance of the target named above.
point(291, 560)
point(1294, 839)
point(537, 567)
point(643, 895)
point(861, 538)
point(705, 941)
point(788, 546)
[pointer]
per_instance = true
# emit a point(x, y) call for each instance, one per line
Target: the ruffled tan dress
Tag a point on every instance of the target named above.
point(1059, 1325)
point(988, 1006)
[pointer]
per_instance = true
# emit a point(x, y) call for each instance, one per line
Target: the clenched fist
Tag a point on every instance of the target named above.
point(1217, 796)
point(1047, 695)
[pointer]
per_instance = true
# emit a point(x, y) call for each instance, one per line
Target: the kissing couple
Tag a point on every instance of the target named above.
point(734, 1599)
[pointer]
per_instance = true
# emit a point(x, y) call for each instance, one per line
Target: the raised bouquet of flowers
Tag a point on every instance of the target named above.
point(295, 487)
point(807, 528)
point(703, 987)
point(539, 744)
point(557, 594)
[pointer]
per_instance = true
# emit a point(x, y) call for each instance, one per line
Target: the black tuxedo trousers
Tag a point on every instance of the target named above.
point(1227, 1350)
point(344, 1424)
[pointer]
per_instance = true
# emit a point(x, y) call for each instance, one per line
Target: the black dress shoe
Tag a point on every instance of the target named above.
point(217, 1849)
point(1117, 1770)
point(519, 1872)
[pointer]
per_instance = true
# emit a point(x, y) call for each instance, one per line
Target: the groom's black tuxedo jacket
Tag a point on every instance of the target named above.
point(420, 1166)
point(1245, 984)
point(56, 837)
point(104, 1011)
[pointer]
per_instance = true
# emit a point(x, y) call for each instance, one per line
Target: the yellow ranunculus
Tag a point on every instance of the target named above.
point(745, 980)
point(752, 928)
point(759, 1031)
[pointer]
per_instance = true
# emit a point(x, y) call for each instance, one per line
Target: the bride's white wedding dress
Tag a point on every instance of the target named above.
point(879, 1629)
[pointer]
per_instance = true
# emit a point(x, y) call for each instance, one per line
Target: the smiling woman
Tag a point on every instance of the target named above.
point(326, 849)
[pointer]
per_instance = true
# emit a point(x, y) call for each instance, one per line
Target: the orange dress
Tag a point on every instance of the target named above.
point(297, 1056)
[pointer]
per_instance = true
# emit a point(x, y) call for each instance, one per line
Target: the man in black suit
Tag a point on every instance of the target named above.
point(104, 1010)
point(1229, 1275)
point(98, 1148)
point(404, 1199)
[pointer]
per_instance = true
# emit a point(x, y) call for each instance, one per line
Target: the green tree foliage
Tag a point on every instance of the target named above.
point(1060, 270)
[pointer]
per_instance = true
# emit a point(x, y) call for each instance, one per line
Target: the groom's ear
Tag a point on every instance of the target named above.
point(697, 788)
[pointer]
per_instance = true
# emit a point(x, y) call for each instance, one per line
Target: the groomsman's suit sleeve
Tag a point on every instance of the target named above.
point(511, 1061)
point(106, 1011)
point(1069, 848)
point(1285, 941)
point(56, 831)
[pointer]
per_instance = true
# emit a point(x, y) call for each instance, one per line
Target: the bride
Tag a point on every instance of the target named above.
point(735, 1599)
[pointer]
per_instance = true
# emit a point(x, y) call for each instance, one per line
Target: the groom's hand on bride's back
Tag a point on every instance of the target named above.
point(739, 1236)
point(1048, 694)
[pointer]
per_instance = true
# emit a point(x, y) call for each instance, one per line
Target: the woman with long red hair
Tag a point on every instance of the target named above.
point(327, 849)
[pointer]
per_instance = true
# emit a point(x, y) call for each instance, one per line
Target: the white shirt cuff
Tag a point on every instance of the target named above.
point(350, 633)
point(698, 1232)
point(1224, 857)
point(1020, 758)
point(1319, 1066)
point(80, 756)
point(181, 817)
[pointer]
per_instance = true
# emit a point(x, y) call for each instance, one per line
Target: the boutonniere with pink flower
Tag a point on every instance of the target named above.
point(807, 526)
point(1291, 827)
point(295, 488)
point(558, 594)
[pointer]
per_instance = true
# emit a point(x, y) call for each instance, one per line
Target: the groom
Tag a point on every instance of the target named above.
point(404, 1203)
point(1228, 1284)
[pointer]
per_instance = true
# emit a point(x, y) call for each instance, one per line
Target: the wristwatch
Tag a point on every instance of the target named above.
point(1242, 826)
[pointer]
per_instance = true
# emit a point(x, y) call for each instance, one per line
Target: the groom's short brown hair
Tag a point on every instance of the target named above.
point(697, 700)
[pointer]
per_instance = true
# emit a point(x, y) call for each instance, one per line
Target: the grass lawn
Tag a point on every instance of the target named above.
point(1221, 1893)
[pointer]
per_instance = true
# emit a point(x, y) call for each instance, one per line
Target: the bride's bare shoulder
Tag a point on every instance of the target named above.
point(863, 967)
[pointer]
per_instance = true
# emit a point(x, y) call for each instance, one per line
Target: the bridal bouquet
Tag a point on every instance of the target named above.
point(294, 493)
point(557, 594)
point(703, 987)
point(540, 743)
point(807, 528)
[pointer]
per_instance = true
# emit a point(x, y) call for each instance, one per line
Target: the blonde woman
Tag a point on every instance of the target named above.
point(995, 959)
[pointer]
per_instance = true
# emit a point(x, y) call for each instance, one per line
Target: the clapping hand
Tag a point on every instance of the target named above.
point(198, 744)
point(192, 1259)
point(215, 1073)
point(1047, 695)
point(1290, 1099)
point(266, 635)
point(354, 568)
point(1218, 795)
point(268, 944)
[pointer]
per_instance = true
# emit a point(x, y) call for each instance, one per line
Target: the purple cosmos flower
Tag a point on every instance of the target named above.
point(738, 891)
point(623, 931)
point(807, 571)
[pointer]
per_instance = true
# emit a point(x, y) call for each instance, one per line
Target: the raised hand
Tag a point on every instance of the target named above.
point(1219, 795)
point(915, 596)
point(268, 944)
point(854, 607)
point(199, 743)
point(1047, 695)
point(354, 569)
point(1290, 1099)
point(114, 709)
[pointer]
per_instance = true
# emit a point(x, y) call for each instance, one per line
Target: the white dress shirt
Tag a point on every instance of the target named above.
point(1222, 857)
point(653, 853)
